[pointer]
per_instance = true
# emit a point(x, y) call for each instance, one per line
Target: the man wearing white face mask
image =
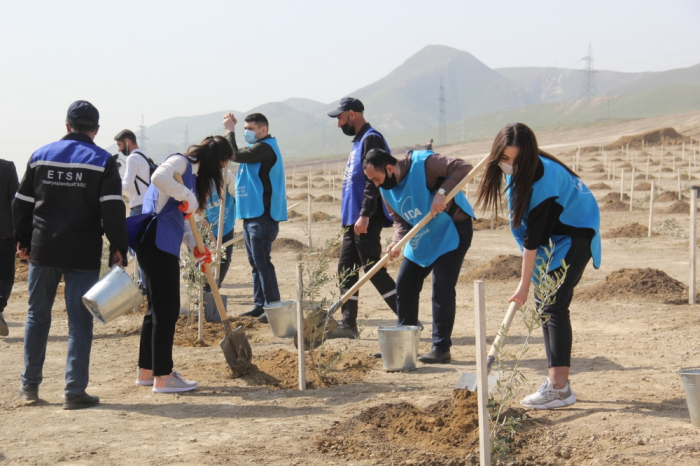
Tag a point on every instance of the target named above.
point(261, 201)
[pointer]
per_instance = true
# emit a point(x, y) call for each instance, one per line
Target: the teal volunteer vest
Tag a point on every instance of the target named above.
point(249, 188)
point(412, 201)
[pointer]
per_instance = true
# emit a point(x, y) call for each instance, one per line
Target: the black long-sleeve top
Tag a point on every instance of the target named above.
point(8, 187)
point(258, 152)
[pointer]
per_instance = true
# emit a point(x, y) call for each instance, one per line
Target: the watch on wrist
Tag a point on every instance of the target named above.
point(441, 191)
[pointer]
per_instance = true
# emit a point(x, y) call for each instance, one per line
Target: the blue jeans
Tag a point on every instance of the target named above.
point(141, 282)
point(445, 270)
point(43, 282)
point(258, 234)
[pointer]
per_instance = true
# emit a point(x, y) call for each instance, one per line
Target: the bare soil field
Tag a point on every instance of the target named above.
point(628, 344)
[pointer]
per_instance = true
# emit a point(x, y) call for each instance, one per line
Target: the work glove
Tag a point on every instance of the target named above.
point(203, 258)
point(185, 207)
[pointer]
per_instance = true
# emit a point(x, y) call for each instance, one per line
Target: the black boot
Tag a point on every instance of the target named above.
point(29, 392)
point(255, 312)
point(435, 356)
point(80, 401)
point(345, 331)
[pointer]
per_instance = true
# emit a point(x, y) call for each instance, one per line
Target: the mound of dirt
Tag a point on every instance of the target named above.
point(667, 169)
point(614, 206)
point(678, 207)
point(485, 223)
point(597, 166)
point(656, 136)
point(599, 186)
point(595, 170)
point(625, 165)
point(401, 433)
point(670, 196)
point(293, 214)
point(302, 178)
point(321, 217)
point(631, 230)
point(322, 186)
point(287, 244)
point(213, 332)
point(642, 186)
point(300, 197)
point(318, 178)
point(326, 198)
point(319, 172)
point(652, 284)
point(278, 369)
point(613, 197)
point(500, 268)
point(643, 176)
point(21, 269)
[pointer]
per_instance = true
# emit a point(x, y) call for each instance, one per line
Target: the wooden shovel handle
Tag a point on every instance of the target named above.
point(382, 262)
point(207, 269)
point(491, 358)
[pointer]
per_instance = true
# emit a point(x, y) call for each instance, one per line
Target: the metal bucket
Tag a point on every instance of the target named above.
point(691, 382)
point(114, 295)
point(282, 316)
point(399, 347)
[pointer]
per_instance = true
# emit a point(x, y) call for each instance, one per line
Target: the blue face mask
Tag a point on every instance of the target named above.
point(249, 136)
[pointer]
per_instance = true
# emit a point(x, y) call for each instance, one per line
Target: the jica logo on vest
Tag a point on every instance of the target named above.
point(407, 210)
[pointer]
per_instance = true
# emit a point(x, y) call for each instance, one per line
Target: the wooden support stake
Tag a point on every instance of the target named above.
point(300, 325)
point(200, 318)
point(622, 184)
point(482, 379)
point(648, 161)
point(651, 208)
point(632, 190)
point(309, 217)
point(680, 195)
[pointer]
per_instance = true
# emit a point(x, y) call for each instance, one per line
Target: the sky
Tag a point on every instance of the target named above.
point(161, 59)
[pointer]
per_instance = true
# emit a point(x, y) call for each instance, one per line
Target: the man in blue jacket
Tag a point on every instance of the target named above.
point(70, 194)
point(261, 201)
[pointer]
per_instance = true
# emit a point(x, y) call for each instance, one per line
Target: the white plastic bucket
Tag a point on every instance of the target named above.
point(691, 383)
point(399, 347)
point(114, 295)
point(282, 317)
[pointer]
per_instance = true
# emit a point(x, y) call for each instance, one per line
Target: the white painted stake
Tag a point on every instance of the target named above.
point(300, 332)
point(683, 153)
point(482, 381)
point(309, 217)
point(680, 195)
point(622, 184)
point(651, 209)
point(632, 189)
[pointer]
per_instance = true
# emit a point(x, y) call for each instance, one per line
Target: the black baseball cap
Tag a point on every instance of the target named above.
point(83, 112)
point(346, 104)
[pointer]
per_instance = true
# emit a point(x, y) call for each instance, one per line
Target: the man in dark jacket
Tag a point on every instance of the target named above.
point(8, 188)
point(361, 214)
point(70, 194)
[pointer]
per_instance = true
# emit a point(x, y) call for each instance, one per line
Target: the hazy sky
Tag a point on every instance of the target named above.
point(174, 58)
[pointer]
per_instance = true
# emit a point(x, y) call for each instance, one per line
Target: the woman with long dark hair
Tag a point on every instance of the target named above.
point(546, 201)
point(156, 236)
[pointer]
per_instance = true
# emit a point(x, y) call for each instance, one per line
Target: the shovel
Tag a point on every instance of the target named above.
point(234, 345)
point(319, 325)
point(468, 379)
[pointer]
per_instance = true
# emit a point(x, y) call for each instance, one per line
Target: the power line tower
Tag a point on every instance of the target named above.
point(442, 133)
point(589, 76)
point(187, 138)
point(142, 135)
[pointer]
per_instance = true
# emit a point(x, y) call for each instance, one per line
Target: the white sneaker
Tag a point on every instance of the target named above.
point(173, 383)
point(548, 397)
point(144, 377)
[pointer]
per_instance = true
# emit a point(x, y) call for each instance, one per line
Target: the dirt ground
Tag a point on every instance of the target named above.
point(627, 348)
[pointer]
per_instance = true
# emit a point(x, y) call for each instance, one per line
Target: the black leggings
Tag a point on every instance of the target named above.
point(162, 274)
point(557, 330)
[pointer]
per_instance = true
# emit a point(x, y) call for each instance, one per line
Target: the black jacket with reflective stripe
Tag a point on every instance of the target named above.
point(70, 195)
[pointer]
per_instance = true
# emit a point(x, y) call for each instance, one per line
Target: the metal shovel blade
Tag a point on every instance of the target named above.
point(236, 349)
point(468, 380)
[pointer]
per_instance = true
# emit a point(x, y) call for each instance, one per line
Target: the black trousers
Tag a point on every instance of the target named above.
point(358, 251)
point(557, 330)
point(162, 275)
point(7, 270)
point(409, 285)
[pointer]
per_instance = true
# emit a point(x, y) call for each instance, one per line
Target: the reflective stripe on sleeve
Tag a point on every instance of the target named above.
point(113, 197)
point(25, 198)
